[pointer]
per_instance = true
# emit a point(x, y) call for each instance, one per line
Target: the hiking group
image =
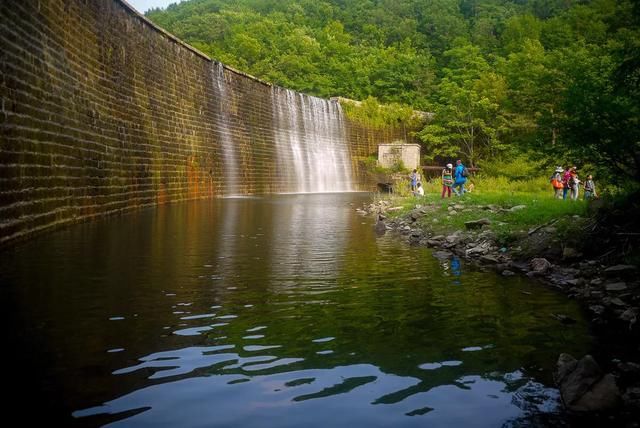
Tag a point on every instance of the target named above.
point(566, 182)
point(453, 180)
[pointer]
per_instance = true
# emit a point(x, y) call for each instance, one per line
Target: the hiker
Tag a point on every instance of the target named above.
point(574, 184)
point(447, 179)
point(419, 190)
point(414, 177)
point(460, 178)
point(556, 182)
point(566, 176)
point(589, 188)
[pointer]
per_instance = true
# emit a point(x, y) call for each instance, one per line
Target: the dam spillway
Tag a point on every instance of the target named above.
point(311, 142)
point(103, 112)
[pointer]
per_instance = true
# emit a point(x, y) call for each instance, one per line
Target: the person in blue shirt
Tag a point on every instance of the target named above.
point(415, 178)
point(460, 179)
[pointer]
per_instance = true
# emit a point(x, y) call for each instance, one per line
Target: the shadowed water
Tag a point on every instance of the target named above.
point(281, 311)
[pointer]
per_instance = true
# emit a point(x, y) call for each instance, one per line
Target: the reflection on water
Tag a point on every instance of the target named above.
point(451, 265)
point(278, 311)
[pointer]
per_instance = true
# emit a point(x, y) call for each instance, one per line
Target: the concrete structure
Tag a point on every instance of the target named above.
point(391, 154)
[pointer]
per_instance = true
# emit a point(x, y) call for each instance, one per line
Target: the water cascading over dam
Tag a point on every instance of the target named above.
point(102, 112)
point(312, 155)
point(232, 174)
point(311, 142)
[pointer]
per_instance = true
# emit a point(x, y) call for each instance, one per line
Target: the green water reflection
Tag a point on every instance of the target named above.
point(278, 311)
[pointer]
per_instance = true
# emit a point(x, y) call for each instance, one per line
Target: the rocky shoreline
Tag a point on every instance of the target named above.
point(609, 292)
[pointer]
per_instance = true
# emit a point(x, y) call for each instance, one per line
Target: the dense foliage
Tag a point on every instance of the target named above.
point(557, 80)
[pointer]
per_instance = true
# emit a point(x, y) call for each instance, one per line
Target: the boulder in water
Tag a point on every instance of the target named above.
point(583, 385)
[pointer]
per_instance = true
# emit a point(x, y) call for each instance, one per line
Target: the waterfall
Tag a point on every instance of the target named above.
point(232, 178)
point(312, 153)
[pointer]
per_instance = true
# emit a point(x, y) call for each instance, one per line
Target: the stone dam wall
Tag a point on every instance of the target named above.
point(103, 112)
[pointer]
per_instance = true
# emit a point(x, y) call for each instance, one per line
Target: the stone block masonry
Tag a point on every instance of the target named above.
point(102, 112)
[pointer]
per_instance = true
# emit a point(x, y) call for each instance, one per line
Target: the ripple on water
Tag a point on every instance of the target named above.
point(193, 331)
point(180, 361)
point(473, 348)
point(253, 336)
point(200, 316)
point(435, 366)
point(363, 384)
point(324, 339)
point(258, 348)
point(227, 317)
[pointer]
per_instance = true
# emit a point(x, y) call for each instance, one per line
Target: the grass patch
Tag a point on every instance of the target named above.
point(500, 195)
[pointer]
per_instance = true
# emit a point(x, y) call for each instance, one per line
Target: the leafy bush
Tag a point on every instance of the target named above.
point(370, 164)
point(510, 185)
point(519, 167)
point(373, 114)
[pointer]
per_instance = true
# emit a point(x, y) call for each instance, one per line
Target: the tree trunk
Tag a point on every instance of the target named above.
point(554, 130)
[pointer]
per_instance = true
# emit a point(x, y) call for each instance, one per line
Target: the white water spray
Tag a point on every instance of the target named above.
point(311, 147)
point(232, 176)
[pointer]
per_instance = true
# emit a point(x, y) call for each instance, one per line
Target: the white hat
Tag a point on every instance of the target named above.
point(449, 166)
point(559, 169)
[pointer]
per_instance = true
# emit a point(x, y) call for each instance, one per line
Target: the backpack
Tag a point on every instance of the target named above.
point(465, 172)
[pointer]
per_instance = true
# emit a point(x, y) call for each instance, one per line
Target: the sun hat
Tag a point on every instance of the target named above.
point(559, 169)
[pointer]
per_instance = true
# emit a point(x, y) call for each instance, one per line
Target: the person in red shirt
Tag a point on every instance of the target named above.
point(565, 181)
point(574, 184)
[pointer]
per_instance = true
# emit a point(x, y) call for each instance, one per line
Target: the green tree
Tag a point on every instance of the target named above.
point(602, 108)
point(519, 29)
point(468, 113)
point(535, 93)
